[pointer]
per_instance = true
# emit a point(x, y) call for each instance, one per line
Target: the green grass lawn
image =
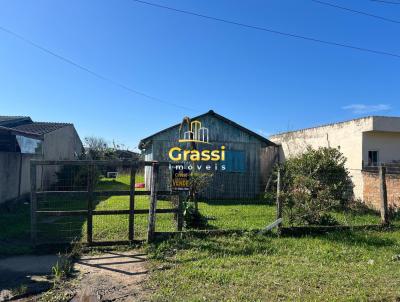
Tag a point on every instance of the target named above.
point(340, 266)
point(225, 214)
point(352, 265)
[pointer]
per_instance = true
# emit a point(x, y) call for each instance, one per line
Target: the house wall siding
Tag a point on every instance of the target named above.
point(224, 184)
point(61, 144)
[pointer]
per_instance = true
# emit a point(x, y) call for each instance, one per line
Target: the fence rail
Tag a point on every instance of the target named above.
point(91, 194)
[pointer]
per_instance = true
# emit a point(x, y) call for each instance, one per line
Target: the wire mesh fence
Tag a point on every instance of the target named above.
point(355, 199)
point(94, 202)
point(112, 202)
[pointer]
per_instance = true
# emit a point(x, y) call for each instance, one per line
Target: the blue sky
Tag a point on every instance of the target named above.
point(266, 82)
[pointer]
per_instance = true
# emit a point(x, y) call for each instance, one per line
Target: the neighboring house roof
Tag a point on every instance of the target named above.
point(41, 128)
point(10, 121)
point(218, 116)
point(23, 125)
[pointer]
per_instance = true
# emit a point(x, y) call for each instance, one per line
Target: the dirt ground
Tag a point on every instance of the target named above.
point(112, 276)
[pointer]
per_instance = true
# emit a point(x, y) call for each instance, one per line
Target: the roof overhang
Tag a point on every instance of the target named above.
point(12, 131)
point(267, 143)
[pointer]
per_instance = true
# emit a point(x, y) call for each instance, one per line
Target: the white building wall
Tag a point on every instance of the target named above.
point(386, 143)
point(348, 136)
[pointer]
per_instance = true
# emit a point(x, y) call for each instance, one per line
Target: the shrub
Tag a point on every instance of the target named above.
point(192, 217)
point(314, 183)
point(198, 183)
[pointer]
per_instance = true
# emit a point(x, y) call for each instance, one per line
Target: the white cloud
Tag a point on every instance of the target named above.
point(363, 108)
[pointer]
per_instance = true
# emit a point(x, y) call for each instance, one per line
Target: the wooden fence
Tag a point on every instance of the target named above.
point(90, 194)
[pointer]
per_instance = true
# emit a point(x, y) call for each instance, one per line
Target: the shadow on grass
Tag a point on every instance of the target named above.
point(229, 244)
point(350, 237)
point(360, 238)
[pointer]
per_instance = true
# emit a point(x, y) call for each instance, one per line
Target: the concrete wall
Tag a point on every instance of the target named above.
point(347, 136)
point(10, 163)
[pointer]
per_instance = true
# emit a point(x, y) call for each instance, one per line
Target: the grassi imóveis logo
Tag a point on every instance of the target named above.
point(196, 134)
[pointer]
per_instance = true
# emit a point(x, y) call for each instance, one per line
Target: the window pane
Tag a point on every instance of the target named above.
point(235, 161)
point(372, 158)
point(29, 145)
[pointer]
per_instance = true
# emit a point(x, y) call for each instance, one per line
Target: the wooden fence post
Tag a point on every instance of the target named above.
point(153, 203)
point(132, 203)
point(278, 199)
point(90, 204)
point(33, 204)
point(179, 223)
point(383, 196)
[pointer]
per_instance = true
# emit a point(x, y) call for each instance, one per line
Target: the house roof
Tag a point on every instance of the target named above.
point(13, 120)
point(23, 125)
point(41, 128)
point(218, 116)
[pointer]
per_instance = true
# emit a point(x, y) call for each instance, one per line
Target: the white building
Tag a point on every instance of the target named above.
point(364, 142)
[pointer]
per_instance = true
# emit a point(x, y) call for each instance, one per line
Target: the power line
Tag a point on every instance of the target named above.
point(356, 11)
point(384, 1)
point(91, 72)
point(271, 30)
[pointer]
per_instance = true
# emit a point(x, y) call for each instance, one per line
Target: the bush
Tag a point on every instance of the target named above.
point(192, 217)
point(71, 177)
point(313, 184)
point(198, 183)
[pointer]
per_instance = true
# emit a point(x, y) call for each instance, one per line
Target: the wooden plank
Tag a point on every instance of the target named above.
point(132, 204)
point(179, 220)
point(278, 199)
point(383, 195)
point(64, 213)
point(110, 212)
point(98, 193)
point(33, 204)
point(104, 212)
point(90, 205)
point(153, 203)
point(136, 212)
point(72, 194)
point(271, 226)
point(128, 192)
point(115, 163)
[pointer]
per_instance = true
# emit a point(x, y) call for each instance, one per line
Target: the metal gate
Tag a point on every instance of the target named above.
point(70, 201)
